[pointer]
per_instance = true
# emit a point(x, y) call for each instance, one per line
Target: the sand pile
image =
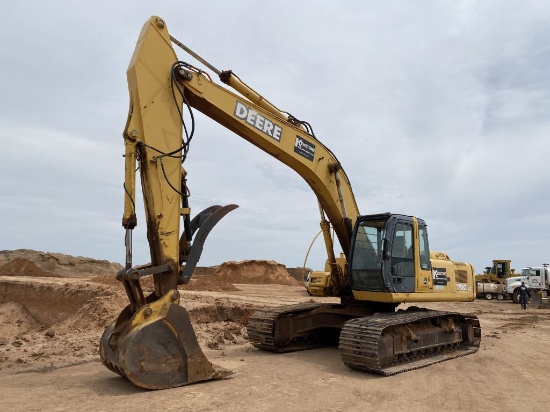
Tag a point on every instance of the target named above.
point(221, 278)
point(16, 320)
point(197, 283)
point(207, 283)
point(254, 271)
point(28, 344)
point(60, 264)
point(23, 267)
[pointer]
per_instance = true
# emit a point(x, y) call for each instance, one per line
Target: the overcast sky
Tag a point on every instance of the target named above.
point(438, 109)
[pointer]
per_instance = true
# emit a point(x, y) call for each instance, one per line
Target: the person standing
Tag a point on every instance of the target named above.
point(523, 293)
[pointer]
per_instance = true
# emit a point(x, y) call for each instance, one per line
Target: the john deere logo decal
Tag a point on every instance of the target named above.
point(256, 120)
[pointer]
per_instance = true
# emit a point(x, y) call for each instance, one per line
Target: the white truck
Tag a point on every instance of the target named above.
point(537, 279)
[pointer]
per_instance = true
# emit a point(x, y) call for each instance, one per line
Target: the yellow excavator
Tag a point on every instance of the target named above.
point(385, 259)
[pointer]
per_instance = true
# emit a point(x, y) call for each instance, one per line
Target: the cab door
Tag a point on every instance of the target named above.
point(535, 278)
point(423, 265)
point(401, 263)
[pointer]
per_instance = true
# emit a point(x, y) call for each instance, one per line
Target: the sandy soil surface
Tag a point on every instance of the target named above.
point(53, 311)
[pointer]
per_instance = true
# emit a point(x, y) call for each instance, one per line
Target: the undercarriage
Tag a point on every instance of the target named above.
point(382, 342)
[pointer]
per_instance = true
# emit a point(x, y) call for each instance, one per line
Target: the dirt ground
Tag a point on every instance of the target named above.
point(53, 310)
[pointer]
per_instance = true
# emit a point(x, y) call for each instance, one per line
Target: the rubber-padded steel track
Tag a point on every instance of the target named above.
point(365, 341)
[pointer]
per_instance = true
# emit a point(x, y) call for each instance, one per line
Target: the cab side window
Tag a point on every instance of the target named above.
point(402, 241)
point(424, 249)
point(402, 250)
point(500, 270)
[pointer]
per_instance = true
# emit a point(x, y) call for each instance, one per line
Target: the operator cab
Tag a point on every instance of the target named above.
point(383, 253)
point(499, 269)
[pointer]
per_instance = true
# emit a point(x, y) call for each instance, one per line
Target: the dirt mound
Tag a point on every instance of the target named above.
point(27, 344)
point(204, 270)
point(146, 282)
point(254, 271)
point(107, 280)
point(197, 283)
point(16, 320)
point(95, 315)
point(205, 283)
point(221, 278)
point(23, 267)
point(60, 264)
point(25, 262)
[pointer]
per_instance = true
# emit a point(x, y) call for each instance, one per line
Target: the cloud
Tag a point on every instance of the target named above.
point(436, 110)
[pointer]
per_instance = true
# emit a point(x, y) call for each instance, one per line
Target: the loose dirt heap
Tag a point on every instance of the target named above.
point(254, 271)
point(58, 263)
point(16, 321)
point(54, 307)
point(23, 267)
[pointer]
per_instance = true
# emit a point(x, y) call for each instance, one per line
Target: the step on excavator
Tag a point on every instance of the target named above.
point(385, 259)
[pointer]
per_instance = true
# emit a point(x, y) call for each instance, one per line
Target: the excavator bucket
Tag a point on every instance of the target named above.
point(156, 347)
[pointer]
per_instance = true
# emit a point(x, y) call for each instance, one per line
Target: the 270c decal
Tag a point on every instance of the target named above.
point(463, 287)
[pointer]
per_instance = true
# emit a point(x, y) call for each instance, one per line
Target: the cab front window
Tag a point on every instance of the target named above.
point(366, 263)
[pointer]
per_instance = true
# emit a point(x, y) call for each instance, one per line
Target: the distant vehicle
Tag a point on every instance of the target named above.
point(535, 278)
point(498, 273)
point(491, 291)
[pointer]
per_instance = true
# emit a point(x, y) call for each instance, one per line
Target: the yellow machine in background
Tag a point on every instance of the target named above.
point(498, 273)
point(384, 259)
point(492, 283)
